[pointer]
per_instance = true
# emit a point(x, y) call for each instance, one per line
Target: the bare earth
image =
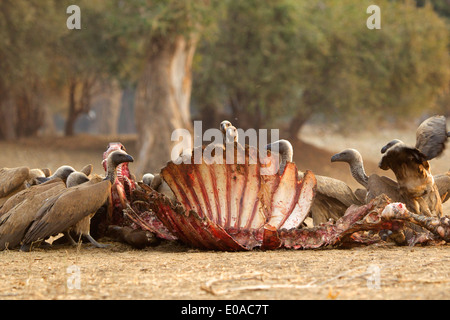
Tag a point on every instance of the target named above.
point(174, 271)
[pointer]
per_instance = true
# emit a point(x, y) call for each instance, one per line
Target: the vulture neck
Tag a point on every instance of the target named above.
point(111, 174)
point(285, 158)
point(358, 172)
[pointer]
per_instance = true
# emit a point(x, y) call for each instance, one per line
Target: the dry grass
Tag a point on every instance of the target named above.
point(173, 271)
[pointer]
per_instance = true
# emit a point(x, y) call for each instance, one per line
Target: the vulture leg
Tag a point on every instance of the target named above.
point(69, 237)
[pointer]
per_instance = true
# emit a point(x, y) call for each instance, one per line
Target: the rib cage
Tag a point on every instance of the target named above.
point(233, 206)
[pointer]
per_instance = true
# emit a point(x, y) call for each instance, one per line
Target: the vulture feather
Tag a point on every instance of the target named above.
point(62, 173)
point(373, 184)
point(414, 178)
point(64, 211)
point(15, 180)
point(20, 210)
point(412, 169)
point(431, 137)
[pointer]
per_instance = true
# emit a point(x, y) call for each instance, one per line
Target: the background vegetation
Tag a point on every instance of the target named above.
point(154, 65)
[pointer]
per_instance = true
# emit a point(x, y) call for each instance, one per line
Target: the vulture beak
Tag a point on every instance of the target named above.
point(336, 157)
point(129, 158)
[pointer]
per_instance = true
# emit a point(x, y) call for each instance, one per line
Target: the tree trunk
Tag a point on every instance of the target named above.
point(8, 116)
point(80, 106)
point(107, 104)
point(302, 115)
point(69, 129)
point(163, 100)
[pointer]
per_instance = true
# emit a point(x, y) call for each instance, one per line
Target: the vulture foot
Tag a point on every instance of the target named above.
point(95, 243)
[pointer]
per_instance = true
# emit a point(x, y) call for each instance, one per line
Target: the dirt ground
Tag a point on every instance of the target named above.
point(174, 271)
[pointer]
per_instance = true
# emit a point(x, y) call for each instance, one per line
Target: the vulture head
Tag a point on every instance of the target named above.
point(62, 173)
point(115, 159)
point(285, 150)
point(224, 125)
point(76, 178)
point(229, 131)
point(348, 155)
point(148, 178)
point(355, 161)
point(124, 176)
point(390, 144)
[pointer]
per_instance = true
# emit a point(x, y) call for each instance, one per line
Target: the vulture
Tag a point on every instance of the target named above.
point(374, 184)
point(443, 183)
point(62, 212)
point(62, 172)
point(229, 132)
point(377, 185)
point(412, 169)
point(333, 197)
point(20, 210)
point(158, 184)
point(285, 151)
point(82, 227)
point(13, 180)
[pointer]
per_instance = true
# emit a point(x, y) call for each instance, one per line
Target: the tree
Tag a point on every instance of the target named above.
point(85, 60)
point(165, 35)
point(290, 60)
point(25, 35)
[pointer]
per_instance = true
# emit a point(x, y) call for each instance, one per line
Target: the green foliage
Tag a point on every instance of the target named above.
point(24, 29)
point(261, 61)
point(289, 57)
point(140, 26)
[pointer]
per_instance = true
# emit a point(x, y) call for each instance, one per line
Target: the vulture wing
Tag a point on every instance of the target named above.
point(69, 208)
point(443, 183)
point(337, 189)
point(333, 197)
point(14, 223)
point(380, 184)
point(27, 193)
point(431, 136)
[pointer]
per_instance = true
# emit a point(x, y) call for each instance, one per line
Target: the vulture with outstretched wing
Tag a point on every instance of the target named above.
point(412, 169)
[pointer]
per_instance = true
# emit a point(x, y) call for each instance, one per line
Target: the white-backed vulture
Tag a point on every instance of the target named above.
point(62, 173)
point(333, 197)
point(14, 180)
point(20, 210)
point(374, 184)
point(158, 184)
point(63, 212)
point(82, 227)
point(414, 178)
point(11, 179)
point(412, 169)
point(285, 151)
